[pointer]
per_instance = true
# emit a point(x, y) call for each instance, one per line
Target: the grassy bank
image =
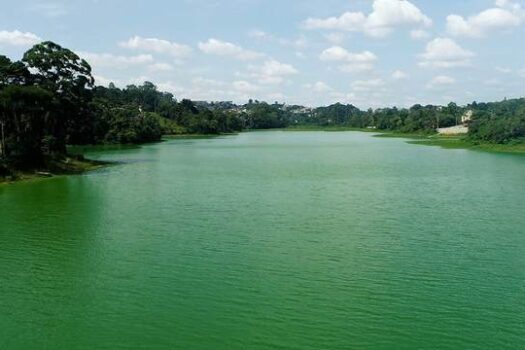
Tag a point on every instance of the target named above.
point(458, 142)
point(50, 168)
point(73, 164)
point(426, 139)
point(404, 135)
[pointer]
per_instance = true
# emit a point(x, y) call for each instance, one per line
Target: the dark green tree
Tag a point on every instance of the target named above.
point(68, 78)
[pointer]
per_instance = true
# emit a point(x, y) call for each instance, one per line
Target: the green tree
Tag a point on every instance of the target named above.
point(25, 112)
point(68, 78)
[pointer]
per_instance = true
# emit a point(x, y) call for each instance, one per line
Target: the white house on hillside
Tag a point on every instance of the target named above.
point(458, 129)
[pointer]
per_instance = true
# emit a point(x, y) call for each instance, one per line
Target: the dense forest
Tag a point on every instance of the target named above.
point(498, 122)
point(49, 100)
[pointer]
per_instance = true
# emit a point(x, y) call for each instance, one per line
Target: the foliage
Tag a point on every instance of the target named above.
point(173, 117)
point(49, 99)
point(26, 123)
point(501, 122)
point(338, 114)
point(261, 115)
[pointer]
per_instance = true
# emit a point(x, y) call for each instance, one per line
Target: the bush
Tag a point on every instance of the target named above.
point(4, 170)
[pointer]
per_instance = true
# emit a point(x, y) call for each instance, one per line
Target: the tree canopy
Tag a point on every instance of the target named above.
point(49, 99)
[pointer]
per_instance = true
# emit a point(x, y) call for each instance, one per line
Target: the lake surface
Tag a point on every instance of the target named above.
point(269, 240)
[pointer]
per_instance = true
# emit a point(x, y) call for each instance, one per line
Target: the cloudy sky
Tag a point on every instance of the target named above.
point(371, 53)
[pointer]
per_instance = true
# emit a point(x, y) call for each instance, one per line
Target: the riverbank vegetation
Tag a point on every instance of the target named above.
point(462, 142)
point(49, 99)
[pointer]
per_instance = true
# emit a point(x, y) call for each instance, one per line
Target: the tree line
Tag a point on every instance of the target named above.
point(496, 122)
point(49, 100)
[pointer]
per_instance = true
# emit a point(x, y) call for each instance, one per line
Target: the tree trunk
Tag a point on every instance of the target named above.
point(2, 140)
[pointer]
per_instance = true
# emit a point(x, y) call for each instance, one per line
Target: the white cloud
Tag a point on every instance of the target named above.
point(244, 86)
point(353, 62)
point(276, 68)
point(224, 48)
point(399, 75)
point(160, 67)
point(342, 97)
point(104, 81)
point(335, 38)
point(202, 89)
point(99, 60)
point(299, 43)
point(384, 18)
point(300, 55)
point(275, 96)
point(207, 83)
point(155, 45)
point(273, 72)
point(445, 53)
point(503, 70)
point(213, 90)
point(356, 67)
point(170, 87)
point(441, 81)
point(368, 85)
point(319, 86)
point(504, 16)
point(492, 82)
point(419, 34)
point(259, 34)
point(18, 38)
point(348, 21)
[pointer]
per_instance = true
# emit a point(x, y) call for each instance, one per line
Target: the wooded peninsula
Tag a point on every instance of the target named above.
point(49, 100)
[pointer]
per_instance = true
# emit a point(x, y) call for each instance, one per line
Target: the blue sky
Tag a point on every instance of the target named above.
point(372, 53)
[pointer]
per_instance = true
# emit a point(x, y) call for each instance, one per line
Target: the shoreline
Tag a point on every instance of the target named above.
point(457, 142)
point(68, 166)
point(325, 128)
point(423, 139)
point(73, 165)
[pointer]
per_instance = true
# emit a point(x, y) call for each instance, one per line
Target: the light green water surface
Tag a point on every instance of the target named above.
point(269, 240)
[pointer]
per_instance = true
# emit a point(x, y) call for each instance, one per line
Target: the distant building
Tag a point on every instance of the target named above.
point(461, 129)
point(467, 117)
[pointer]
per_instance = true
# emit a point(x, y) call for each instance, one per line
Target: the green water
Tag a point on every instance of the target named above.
point(269, 240)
